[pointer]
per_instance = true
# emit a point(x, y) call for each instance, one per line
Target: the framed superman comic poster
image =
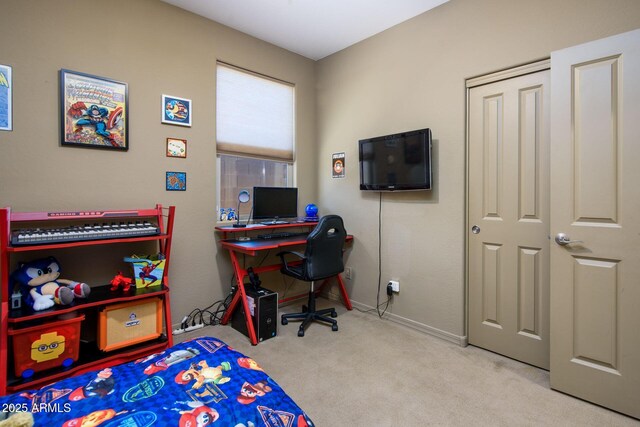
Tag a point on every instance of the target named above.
point(94, 111)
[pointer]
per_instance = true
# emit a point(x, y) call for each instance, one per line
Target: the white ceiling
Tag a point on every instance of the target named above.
point(311, 28)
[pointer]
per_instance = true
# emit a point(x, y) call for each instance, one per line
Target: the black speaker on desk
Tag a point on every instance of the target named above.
point(264, 304)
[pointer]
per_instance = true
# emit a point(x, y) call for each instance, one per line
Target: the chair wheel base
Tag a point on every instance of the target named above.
point(309, 314)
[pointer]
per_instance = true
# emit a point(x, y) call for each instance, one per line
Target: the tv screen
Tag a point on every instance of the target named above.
point(273, 203)
point(396, 162)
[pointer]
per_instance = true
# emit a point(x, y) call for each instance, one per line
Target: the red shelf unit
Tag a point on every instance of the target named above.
point(100, 297)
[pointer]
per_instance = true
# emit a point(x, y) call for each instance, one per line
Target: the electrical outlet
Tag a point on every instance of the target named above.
point(395, 285)
point(348, 273)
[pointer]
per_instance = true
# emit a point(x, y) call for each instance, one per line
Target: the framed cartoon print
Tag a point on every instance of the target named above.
point(6, 99)
point(176, 111)
point(176, 181)
point(177, 148)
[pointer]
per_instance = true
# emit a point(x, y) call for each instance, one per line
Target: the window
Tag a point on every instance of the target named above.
point(236, 173)
point(255, 134)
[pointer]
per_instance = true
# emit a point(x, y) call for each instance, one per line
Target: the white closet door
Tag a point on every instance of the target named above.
point(595, 205)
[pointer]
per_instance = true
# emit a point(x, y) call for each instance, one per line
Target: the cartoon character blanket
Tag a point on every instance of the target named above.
point(194, 383)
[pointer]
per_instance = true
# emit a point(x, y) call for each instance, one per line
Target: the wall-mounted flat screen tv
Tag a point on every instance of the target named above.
point(396, 162)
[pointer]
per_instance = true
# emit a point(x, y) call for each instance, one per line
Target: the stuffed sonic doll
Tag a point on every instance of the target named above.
point(41, 286)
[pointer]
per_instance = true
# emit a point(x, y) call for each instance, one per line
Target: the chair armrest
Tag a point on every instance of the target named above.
point(285, 266)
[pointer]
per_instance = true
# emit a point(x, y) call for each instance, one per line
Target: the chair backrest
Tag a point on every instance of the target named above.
point(323, 255)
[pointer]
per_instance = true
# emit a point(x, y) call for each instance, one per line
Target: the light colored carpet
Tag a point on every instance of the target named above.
point(374, 372)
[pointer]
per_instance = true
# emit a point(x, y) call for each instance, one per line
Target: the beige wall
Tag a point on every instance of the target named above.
point(408, 77)
point(156, 48)
point(413, 76)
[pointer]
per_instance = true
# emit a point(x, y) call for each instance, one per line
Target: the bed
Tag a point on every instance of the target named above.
point(195, 383)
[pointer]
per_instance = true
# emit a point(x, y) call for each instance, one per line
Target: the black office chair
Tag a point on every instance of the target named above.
point(322, 259)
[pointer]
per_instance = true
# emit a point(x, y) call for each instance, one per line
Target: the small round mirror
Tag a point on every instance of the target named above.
point(243, 196)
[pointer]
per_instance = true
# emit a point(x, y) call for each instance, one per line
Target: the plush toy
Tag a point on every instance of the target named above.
point(41, 286)
point(16, 419)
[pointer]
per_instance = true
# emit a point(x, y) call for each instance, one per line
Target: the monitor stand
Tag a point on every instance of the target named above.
point(274, 221)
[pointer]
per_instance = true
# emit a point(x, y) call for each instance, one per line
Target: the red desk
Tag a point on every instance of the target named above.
point(256, 246)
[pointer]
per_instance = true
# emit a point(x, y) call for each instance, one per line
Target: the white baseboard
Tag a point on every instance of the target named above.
point(460, 340)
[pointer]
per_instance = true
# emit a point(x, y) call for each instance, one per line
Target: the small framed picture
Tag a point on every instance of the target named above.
point(6, 101)
point(176, 111)
point(94, 111)
point(337, 165)
point(176, 181)
point(177, 148)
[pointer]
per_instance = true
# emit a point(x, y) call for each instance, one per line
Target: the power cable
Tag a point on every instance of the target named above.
point(378, 304)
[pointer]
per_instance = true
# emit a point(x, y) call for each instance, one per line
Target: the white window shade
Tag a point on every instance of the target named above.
point(255, 115)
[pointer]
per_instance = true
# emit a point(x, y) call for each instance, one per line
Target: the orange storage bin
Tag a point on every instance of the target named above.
point(46, 346)
point(129, 323)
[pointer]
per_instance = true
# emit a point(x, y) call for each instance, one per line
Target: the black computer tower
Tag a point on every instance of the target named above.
point(264, 304)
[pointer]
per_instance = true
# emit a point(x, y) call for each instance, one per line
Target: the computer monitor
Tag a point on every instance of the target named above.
point(271, 204)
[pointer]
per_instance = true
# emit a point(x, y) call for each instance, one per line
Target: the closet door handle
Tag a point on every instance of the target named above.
point(562, 239)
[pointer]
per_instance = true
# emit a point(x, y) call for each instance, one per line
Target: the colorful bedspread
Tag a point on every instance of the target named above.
point(194, 383)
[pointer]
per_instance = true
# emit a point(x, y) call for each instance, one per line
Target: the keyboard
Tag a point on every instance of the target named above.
point(279, 235)
point(34, 236)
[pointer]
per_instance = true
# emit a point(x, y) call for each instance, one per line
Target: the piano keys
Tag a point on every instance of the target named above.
point(75, 233)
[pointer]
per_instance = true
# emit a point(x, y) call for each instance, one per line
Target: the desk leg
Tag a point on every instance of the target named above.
point(343, 291)
point(240, 295)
